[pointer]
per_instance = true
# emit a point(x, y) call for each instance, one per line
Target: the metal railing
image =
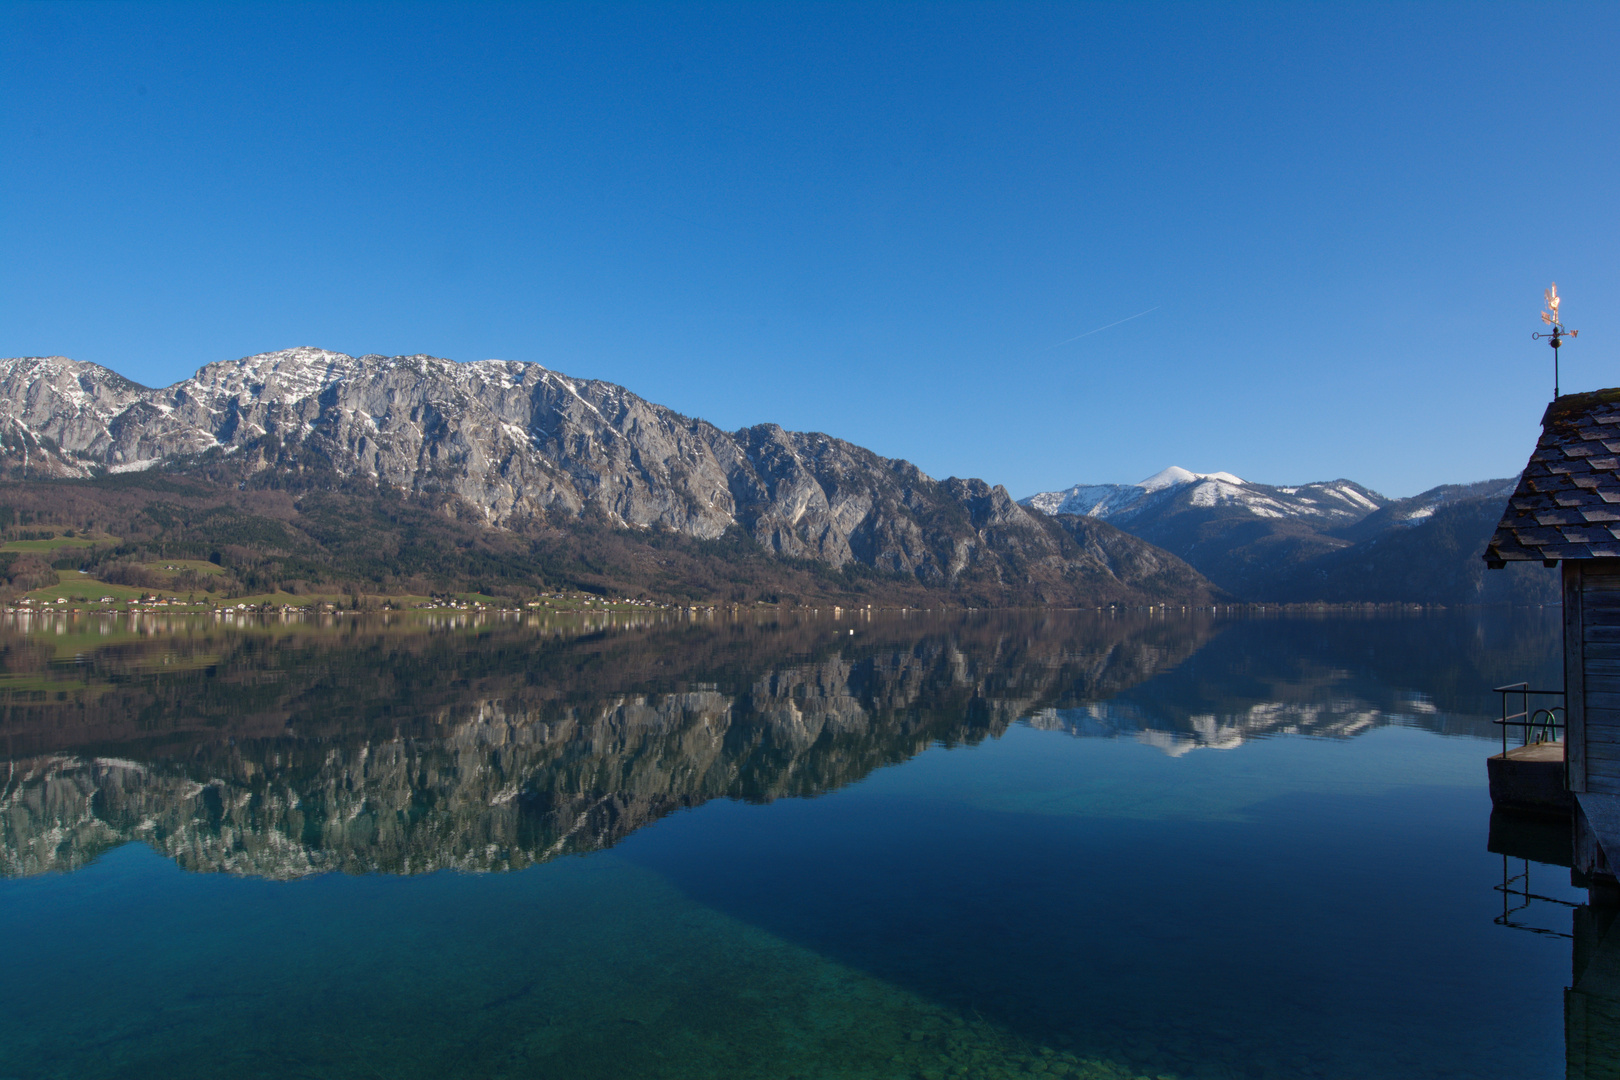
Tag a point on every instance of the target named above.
point(1544, 723)
point(1515, 900)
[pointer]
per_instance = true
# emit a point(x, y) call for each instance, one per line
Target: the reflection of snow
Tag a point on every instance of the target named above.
point(1176, 745)
point(1419, 703)
point(1341, 719)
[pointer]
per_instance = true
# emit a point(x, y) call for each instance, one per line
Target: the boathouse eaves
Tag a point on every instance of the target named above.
point(1567, 502)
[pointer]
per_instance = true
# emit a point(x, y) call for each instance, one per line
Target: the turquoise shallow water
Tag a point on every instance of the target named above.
point(1017, 847)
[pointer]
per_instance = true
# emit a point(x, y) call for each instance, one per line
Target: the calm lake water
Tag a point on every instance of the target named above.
point(988, 845)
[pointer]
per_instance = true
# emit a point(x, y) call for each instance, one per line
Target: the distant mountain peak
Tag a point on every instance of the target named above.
point(1332, 503)
point(1331, 540)
point(1175, 475)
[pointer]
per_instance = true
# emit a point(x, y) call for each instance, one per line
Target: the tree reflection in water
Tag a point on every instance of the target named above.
point(408, 745)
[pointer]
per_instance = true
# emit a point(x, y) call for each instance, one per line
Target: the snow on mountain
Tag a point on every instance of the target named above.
point(1329, 541)
point(1420, 508)
point(1091, 500)
point(1328, 502)
point(521, 446)
point(1175, 474)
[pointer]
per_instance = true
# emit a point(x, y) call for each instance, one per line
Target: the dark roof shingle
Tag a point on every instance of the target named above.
point(1562, 508)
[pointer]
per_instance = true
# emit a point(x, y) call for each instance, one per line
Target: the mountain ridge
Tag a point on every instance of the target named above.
point(1330, 541)
point(519, 447)
point(1326, 499)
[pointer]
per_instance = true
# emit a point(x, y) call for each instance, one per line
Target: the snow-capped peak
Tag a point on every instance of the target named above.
point(1175, 475)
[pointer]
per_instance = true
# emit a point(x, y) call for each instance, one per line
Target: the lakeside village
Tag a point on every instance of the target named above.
point(157, 601)
point(188, 592)
point(588, 602)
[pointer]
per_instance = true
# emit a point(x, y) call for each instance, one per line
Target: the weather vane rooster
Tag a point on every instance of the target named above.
point(1556, 335)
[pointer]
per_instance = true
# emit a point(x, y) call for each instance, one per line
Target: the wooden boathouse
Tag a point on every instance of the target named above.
point(1566, 512)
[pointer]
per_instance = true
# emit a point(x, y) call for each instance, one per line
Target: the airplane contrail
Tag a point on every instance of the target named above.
point(1110, 326)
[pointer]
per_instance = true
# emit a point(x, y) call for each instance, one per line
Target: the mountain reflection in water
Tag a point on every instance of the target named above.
point(407, 745)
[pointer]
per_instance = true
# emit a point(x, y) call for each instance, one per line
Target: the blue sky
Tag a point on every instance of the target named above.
point(878, 221)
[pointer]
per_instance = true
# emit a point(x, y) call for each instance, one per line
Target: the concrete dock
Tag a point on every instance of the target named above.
point(1530, 780)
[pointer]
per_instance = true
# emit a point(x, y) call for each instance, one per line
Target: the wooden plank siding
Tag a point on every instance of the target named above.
point(1575, 677)
point(1592, 673)
point(1602, 772)
point(1596, 737)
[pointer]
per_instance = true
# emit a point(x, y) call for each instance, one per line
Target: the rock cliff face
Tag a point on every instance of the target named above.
point(524, 446)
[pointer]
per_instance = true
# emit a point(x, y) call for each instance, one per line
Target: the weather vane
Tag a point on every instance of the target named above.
point(1556, 335)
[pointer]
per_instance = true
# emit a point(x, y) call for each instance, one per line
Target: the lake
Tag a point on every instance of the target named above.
point(742, 845)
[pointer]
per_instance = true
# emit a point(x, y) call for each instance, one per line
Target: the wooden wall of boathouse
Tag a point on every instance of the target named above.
point(1592, 674)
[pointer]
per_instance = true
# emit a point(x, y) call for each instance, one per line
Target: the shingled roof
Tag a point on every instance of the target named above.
point(1567, 504)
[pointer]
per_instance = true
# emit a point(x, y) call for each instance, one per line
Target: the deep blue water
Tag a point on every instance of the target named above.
point(1019, 847)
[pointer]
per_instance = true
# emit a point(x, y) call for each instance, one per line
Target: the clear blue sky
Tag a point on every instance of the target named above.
point(874, 220)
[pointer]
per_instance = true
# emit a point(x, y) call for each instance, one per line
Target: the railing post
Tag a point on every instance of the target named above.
point(1544, 723)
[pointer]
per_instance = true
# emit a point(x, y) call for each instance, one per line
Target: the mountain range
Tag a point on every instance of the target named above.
point(1333, 541)
point(306, 468)
point(415, 472)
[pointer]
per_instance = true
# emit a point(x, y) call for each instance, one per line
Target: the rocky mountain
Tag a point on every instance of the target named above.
point(520, 448)
point(1332, 541)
